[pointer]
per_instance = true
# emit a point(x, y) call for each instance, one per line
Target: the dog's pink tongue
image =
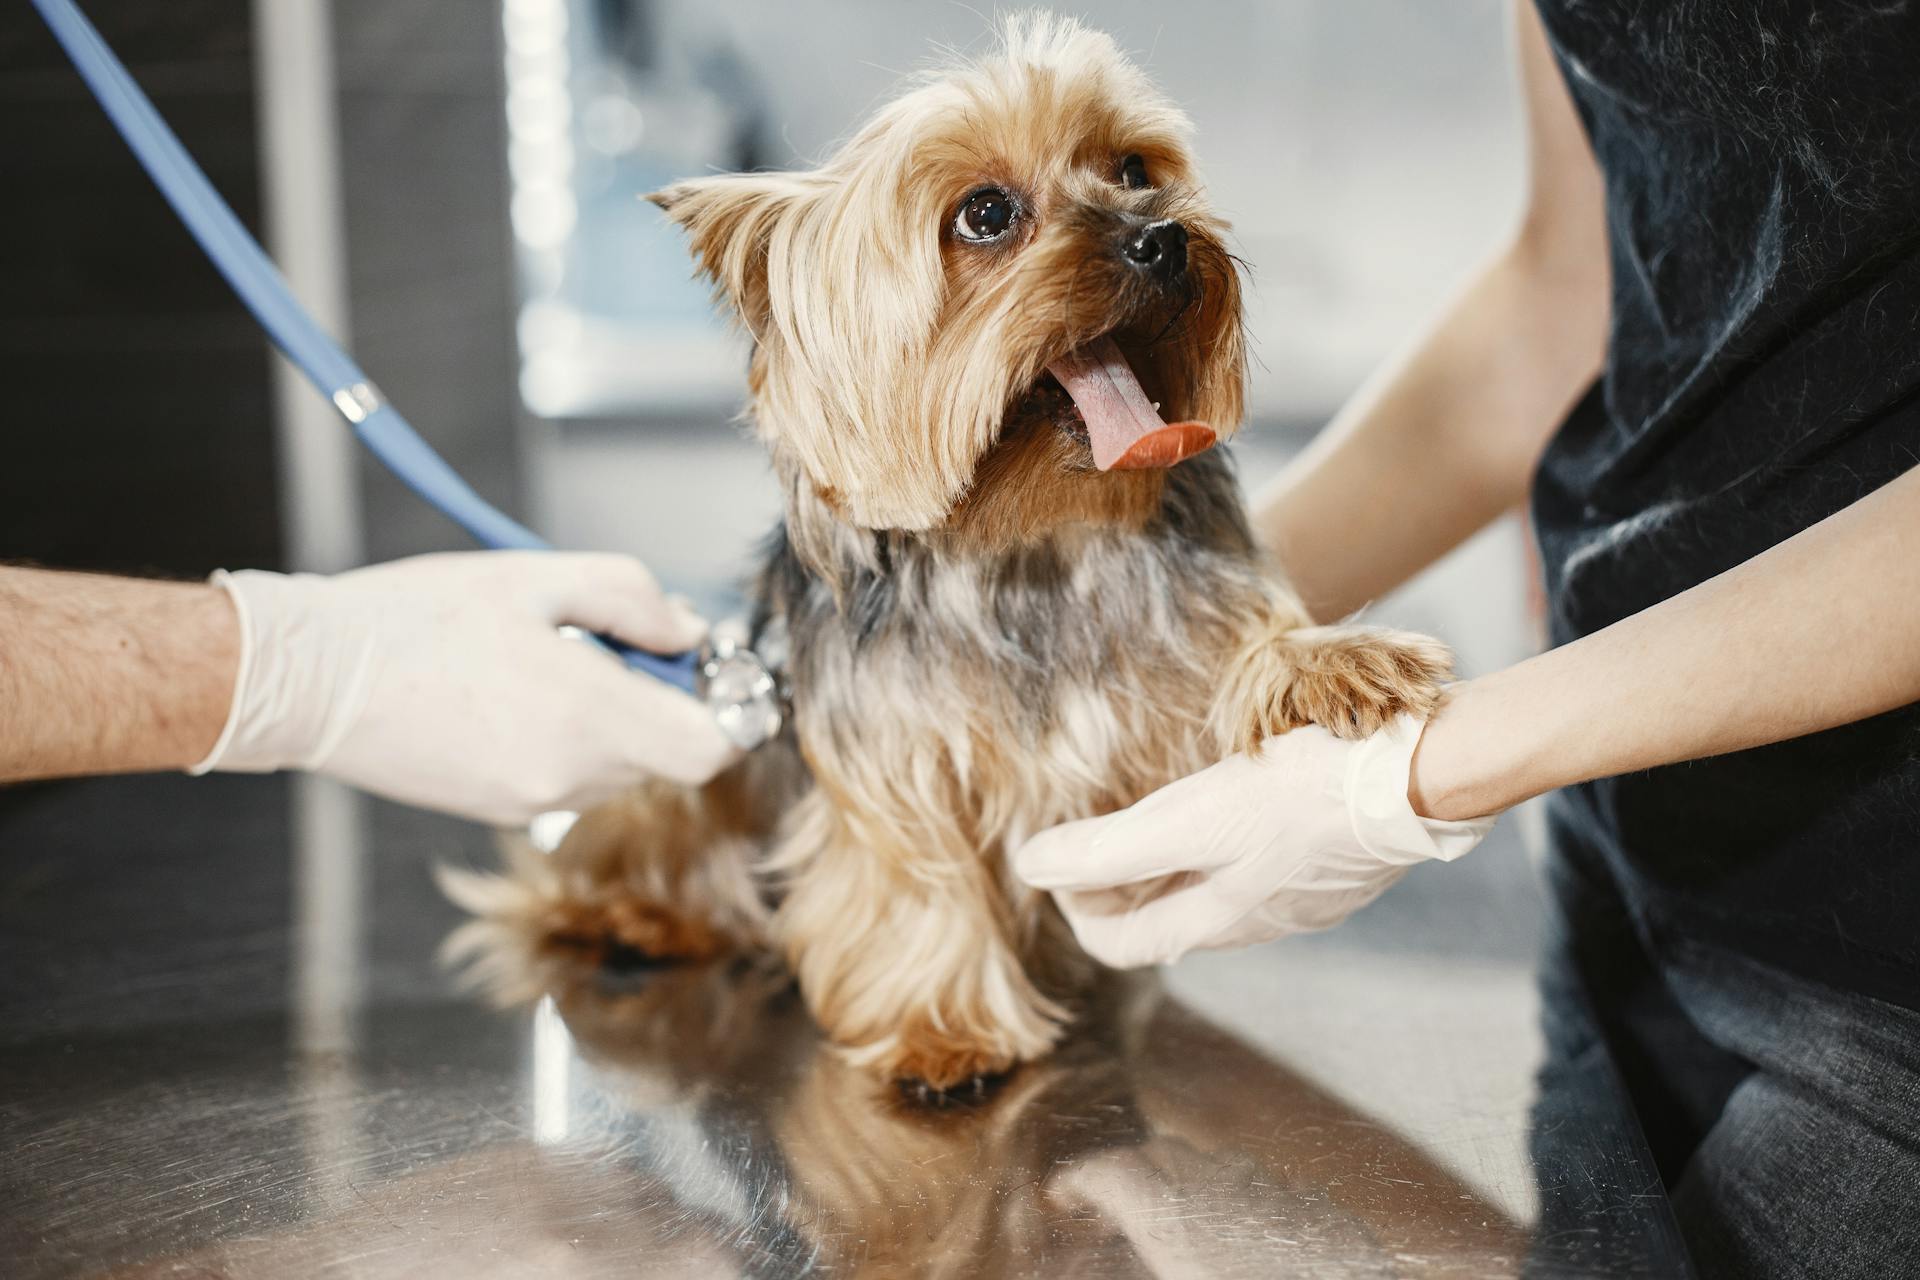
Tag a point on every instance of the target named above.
point(1127, 434)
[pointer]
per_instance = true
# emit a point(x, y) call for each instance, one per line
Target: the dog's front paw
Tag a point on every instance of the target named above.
point(1352, 681)
point(928, 1065)
point(942, 1066)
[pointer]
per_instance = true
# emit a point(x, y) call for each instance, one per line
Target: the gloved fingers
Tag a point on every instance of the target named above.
point(1165, 833)
point(659, 730)
point(617, 596)
point(1332, 907)
point(1156, 922)
point(1309, 911)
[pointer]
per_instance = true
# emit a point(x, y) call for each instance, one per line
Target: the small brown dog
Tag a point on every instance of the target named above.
point(1005, 606)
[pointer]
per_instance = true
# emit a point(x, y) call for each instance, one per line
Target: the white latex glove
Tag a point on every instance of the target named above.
point(441, 681)
point(1296, 838)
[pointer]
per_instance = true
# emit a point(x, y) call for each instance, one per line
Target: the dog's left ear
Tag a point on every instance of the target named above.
point(731, 222)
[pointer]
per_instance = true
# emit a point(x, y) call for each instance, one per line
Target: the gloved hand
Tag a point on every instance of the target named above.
point(1295, 838)
point(441, 681)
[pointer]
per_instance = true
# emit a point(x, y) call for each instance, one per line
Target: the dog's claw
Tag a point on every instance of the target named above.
point(969, 1092)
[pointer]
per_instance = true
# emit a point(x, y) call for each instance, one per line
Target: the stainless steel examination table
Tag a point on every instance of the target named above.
point(230, 1052)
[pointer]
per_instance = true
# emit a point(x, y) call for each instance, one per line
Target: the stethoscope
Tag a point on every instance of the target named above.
point(744, 692)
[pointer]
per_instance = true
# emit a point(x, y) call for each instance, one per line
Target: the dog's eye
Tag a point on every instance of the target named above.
point(1133, 172)
point(987, 215)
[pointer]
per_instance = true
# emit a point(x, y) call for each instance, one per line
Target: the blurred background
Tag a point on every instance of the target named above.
point(454, 186)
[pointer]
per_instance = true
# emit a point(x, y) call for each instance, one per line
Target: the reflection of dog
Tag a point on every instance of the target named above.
point(712, 1087)
point(1005, 606)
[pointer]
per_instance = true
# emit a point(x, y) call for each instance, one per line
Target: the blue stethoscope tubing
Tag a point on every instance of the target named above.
point(260, 286)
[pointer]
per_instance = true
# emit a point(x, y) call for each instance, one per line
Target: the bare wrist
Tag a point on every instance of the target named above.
point(204, 634)
point(1452, 777)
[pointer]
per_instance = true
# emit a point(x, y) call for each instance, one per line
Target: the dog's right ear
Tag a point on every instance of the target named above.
point(731, 222)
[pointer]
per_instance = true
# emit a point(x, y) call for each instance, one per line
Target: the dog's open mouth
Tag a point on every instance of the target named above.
point(1123, 426)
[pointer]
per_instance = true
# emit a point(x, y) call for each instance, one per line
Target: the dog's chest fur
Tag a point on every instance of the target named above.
point(1015, 690)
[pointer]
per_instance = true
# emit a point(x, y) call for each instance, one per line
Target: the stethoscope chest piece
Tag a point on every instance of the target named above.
point(741, 690)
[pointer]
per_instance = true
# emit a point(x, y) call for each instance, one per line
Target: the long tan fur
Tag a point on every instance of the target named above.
point(987, 635)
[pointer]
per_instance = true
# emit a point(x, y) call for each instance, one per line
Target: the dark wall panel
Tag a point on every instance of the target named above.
point(135, 414)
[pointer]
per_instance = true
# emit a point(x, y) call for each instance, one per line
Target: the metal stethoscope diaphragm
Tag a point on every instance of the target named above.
point(748, 697)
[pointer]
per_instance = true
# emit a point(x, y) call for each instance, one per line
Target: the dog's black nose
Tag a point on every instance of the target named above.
point(1159, 248)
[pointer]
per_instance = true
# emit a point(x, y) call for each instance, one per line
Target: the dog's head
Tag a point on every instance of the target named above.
point(985, 311)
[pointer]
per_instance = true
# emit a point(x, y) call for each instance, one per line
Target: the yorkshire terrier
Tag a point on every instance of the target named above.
point(994, 339)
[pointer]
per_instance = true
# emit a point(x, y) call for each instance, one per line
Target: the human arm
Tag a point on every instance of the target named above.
point(1444, 438)
point(440, 681)
point(1819, 631)
point(110, 675)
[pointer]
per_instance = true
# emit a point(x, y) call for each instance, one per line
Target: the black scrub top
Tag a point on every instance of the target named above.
point(1762, 165)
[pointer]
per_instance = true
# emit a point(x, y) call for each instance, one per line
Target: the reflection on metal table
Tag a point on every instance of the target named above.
point(220, 1057)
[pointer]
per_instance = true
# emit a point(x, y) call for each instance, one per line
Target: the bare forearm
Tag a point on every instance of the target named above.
point(1822, 630)
point(110, 675)
point(1442, 441)
point(1445, 438)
